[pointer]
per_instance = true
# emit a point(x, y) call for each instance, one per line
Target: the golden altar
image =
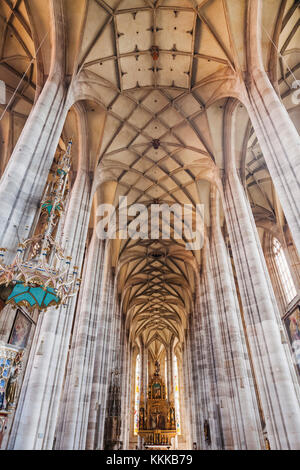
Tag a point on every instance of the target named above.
point(157, 423)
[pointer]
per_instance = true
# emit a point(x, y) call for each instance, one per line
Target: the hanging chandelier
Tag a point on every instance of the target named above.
point(40, 275)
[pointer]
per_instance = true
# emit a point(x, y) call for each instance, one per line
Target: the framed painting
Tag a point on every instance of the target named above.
point(20, 330)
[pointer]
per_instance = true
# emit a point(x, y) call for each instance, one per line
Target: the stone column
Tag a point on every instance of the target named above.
point(187, 396)
point(184, 416)
point(35, 421)
point(126, 385)
point(170, 386)
point(272, 371)
point(112, 430)
point(276, 133)
point(220, 404)
point(238, 374)
point(199, 370)
point(106, 340)
point(190, 388)
point(102, 366)
point(144, 369)
point(23, 181)
point(72, 430)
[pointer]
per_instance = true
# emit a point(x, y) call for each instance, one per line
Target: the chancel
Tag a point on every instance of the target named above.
point(149, 225)
point(157, 423)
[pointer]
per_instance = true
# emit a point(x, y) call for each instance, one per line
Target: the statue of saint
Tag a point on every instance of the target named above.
point(142, 418)
point(11, 389)
point(152, 421)
point(157, 368)
point(172, 416)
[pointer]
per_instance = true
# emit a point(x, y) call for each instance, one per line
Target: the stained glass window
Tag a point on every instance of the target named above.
point(176, 395)
point(284, 271)
point(137, 394)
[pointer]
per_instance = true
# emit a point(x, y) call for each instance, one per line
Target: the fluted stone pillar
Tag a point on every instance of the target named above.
point(275, 384)
point(195, 378)
point(191, 387)
point(276, 133)
point(23, 181)
point(97, 406)
point(170, 386)
point(187, 393)
point(118, 365)
point(122, 361)
point(71, 433)
point(144, 369)
point(201, 376)
point(247, 433)
point(35, 421)
point(106, 339)
point(184, 413)
point(221, 407)
point(115, 394)
point(126, 384)
point(25, 176)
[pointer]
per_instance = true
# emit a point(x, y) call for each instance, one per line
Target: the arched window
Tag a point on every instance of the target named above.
point(176, 395)
point(284, 271)
point(137, 394)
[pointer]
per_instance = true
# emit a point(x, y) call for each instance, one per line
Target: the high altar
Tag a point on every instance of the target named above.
point(157, 423)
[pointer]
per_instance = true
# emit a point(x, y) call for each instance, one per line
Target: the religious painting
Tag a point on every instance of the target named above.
point(292, 323)
point(156, 390)
point(20, 330)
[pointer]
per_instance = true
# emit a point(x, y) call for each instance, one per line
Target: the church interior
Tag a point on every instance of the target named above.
point(117, 333)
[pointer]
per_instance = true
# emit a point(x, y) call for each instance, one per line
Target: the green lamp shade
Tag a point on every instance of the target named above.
point(33, 296)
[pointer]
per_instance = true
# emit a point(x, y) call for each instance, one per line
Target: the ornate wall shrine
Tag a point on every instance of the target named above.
point(39, 277)
point(10, 368)
point(157, 423)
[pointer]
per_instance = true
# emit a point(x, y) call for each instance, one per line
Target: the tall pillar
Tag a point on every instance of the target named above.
point(276, 133)
point(77, 390)
point(220, 406)
point(270, 362)
point(126, 384)
point(23, 181)
point(144, 369)
point(245, 427)
point(184, 416)
point(195, 373)
point(189, 387)
point(170, 386)
point(35, 420)
point(201, 376)
point(189, 429)
point(115, 395)
point(106, 338)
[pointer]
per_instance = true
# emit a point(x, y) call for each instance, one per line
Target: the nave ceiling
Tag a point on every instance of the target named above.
point(153, 118)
